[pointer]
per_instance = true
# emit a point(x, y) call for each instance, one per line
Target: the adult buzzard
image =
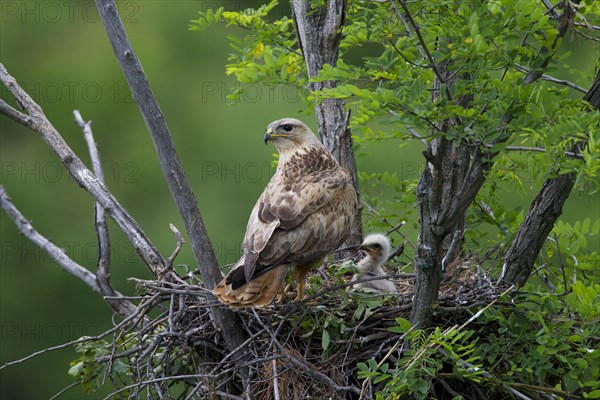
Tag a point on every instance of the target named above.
point(305, 212)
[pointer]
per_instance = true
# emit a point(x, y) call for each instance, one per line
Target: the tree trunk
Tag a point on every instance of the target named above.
point(319, 33)
point(449, 183)
point(541, 216)
point(543, 213)
point(445, 192)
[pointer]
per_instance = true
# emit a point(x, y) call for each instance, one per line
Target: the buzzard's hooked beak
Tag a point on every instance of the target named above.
point(268, 135)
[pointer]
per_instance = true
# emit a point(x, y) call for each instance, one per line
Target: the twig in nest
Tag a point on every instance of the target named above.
point(180, 243)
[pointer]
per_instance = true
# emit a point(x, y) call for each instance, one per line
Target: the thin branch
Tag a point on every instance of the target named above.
point(589, 37)
point(180, 243)
point(46, 350)
point(55, 252)
point(132, 318)
point(448, 388)
point(155, 380)
point(417, 31)
point(395, 228)
point(416, 135)
point(66, 389)
point(10, 112)
point(452, 252)
point(402, 55)
point(593, 27)
point(275, 381)
point(121, 306)
point(552, 79)
point(544, 389)
point(551, 8)
point(38, 122)
point(398, 252)
point(540, 150)
point(103, 272)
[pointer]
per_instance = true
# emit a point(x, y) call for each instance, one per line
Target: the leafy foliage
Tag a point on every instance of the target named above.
point(85, 368)
point(540, 340)
point(546, 336)
point(544, 340)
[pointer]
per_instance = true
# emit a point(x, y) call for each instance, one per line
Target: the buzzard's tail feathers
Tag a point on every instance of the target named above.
point(259, 292)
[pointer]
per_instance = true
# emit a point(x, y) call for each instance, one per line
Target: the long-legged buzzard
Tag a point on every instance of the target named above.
point(305, 212)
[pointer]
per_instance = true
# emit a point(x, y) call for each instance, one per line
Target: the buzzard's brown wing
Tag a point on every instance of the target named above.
point(304, 213)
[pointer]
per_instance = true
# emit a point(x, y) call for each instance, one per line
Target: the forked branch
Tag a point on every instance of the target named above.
point(122, 307)
point(37, 121)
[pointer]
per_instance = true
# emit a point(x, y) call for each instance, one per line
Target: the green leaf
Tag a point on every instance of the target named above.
point(325, 340)
point(594, 394)
point(76, 369)
point(403, 326)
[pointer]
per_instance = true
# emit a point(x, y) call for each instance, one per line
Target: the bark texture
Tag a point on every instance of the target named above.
point(319, 34)
point(451, 180)
point(452, 177)
point(541, 216)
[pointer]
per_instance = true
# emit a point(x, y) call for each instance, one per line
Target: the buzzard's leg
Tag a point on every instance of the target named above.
point(300, 294)
point(281, 294)
point(299, 274)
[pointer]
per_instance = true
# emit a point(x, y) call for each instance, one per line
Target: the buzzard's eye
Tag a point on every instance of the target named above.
point(377, 246)
point(287, 127)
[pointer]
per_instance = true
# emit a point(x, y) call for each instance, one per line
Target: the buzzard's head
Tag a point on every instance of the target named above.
point(377, 247)
point(289, 133)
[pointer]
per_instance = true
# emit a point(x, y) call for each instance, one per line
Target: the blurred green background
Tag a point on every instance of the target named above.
point(59, 53)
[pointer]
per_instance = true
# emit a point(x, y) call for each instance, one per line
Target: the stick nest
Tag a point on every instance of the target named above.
point(305, 350)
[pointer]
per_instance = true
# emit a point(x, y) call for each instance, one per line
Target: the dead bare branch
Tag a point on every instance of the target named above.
point(130, 320)
point(55, 252)
point(180, 243)
point(170, 164)
point(552, 79)
point(120, 305)
point(103, 271)
point(37, 121)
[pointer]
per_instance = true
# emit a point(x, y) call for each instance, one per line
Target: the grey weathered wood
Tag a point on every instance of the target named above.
point(120, 305)
point(103, 270)
point(543, 212)
point(319, 34)
point(225, 320)
point(36, 120)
